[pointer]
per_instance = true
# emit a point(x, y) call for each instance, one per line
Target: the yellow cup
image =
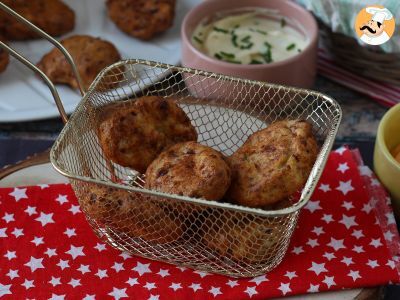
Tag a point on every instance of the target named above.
point(386, 167)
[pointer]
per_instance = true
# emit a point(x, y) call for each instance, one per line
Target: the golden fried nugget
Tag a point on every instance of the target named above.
point(190, 169)
point(91, 55)
point(131, 213)
point(243, 240)
point(4, 60)
point(273, 163)
point(52, 16)
point(142, 19)
point(135, 132)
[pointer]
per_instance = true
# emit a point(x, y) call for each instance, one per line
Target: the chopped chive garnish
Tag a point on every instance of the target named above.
point(200, 33)
point(236, 26)
point(283, 22)
point(255, 62)
point(234, 40)
point(267, 56)
point(299, 50)
point(220, 30)
point(198, 40)
point(246, 39)
point(227, 55)
point(258, 31)
point(291, 47)
point(268, 45)
point(247, 46)
point(218, 56)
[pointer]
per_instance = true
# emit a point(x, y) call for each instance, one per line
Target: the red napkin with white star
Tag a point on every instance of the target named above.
point(346, 238)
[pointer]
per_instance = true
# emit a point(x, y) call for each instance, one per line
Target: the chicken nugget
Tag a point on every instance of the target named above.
point(142, 19)
point(273, 163)
point(52, 16)
point(133, 133)
point(190, 169)
point(91, 55)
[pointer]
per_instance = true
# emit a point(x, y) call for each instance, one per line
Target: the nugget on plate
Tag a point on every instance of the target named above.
point(52, 16)
point(4, 60)
point(273, 163)
point(133, 133)
point(142, 19)
point(130, 213)
point(90, 54)
point(249, 241)
point(190, 169)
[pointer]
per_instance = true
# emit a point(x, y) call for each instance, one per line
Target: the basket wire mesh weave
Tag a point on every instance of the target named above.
point(205, 235)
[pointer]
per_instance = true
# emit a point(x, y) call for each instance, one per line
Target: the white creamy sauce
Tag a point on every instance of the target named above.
point(248, 38)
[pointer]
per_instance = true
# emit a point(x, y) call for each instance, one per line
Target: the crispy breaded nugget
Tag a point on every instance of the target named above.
point(190, 169)
point(91, 55)
point(142, 19)
point(273, 163)
point(132, 214)
point(52, 16)
point(4, 60)
point(135, 132)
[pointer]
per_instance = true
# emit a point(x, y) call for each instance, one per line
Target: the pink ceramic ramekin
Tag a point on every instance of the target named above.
point(297, 71)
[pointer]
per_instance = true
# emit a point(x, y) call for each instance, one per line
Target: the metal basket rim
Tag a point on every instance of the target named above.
point(306, 193)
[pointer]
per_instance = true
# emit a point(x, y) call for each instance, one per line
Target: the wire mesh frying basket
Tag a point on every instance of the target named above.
point(205, 235)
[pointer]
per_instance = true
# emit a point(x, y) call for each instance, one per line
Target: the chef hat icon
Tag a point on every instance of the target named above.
point(379, 14)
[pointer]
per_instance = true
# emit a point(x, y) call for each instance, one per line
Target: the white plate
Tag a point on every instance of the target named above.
point(24, 97)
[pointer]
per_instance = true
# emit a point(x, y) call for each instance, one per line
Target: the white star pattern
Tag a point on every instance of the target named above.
point(37, 241)
point(343, 168)
point(297, 250)
point(215, 291)
point(100, 247)
point(354, 274)
point(327, 218)
point(142, 268)
point(3, 233)
point(8, 218)
point(347, 261)
point(201, 273)
point(329, 281)
point(74, 209)
point(329, 256)
point(375, 182)
point(376, 243)
point(290, 275)
point(45, 219)
point(30, 210)
point(336, 244)
point(348, 221)
point(89, 297)
point(347, 205)
point(70, 232)
point(318, 268)
point(75, 251)
point(17, 232)
point(312, 206)
point(34, 264)
point(318, 230)
point(50, 252)
point(345, 187)
point(175, 286)
point(325, 187)
point(150, 285)
point(232, 283)
point(285, 288)
point(62, 199)
point(10, 255)
point(195, 287)
point(367, 208)
point(43, 186)
point(28, 284)
point(154, 297)
point(132, 281)
point(341, 150)
point(125, 255)
point(55, 281)
point(5, 289)
point(19, 194)
point(390, 218)
point(251, 291)
point(388, 235)
point(372, 263)
point(390, 264)
point(365, 171)
point(357, 234)
point(101, 273)
point(118, 293)
point(312, 243)
point(74, 282)
point(84, 269)
point(163, 273)
point(63, 264)
point(57, 297)
point(12, 274)
point(118, 267)
point(259, 279)
point(358, 249)
point(313, 288)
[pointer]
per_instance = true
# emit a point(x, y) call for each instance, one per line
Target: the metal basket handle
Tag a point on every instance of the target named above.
point(33, 67)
